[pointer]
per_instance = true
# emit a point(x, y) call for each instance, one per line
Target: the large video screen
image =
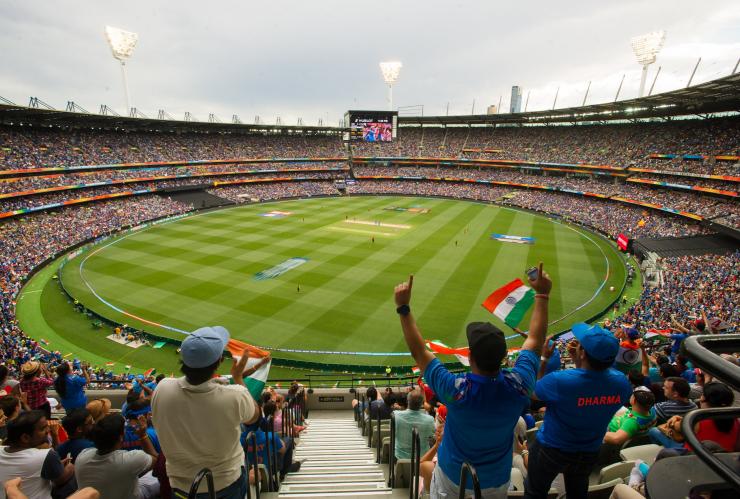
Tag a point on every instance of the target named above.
point(371, 126)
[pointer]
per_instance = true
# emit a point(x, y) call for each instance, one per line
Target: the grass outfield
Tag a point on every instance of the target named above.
point(201, 270)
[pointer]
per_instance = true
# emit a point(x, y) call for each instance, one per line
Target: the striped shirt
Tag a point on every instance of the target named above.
point(665, 410)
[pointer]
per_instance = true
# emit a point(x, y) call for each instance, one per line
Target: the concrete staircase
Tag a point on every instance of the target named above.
point(337, 463)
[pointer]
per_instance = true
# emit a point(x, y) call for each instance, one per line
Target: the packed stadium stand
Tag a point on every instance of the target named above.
point(666, 180)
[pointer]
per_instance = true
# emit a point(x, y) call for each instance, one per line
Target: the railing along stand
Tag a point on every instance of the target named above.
point(204, 473)
point(464, 470)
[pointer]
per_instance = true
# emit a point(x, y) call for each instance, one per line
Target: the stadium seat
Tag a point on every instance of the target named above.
point(517, 479)
point(513, 494)
point(617, 470)
point(403, 473)
point(645, 452)
point(642, 439)
point(603, 490)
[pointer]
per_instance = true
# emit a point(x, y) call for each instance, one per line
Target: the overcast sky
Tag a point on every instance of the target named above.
point(316, 59)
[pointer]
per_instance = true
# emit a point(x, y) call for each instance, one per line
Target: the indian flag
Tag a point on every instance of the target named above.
point(510, 302)
point(462, 354)
point(415, 370)
point(150, 372)
point(110, 364)
point(256, 381)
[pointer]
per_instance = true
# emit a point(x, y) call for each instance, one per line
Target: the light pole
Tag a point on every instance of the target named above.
point(390, 70)
point(646, 47)
point(122, 45)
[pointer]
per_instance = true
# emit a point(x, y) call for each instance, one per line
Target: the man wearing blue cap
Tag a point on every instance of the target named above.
point(198, 420)
point(580, 404)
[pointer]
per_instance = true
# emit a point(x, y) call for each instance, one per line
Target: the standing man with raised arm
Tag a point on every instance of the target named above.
point(580, 403)
point(484, 405)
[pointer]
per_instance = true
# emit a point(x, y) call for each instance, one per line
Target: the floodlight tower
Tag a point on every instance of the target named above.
point(646, 47)
point(390, 70)
point(122, 45)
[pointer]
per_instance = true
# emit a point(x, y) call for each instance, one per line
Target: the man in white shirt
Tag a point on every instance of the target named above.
point(198, 420)
point(40, 468)
point(115, 472)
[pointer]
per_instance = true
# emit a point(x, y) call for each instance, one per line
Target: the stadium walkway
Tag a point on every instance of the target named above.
point(337, 463)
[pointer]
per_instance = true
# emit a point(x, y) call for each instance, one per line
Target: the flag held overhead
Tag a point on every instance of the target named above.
point(510, 302)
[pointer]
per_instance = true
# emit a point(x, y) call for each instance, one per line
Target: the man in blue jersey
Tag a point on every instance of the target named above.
point(484, 405)
point(580, 404)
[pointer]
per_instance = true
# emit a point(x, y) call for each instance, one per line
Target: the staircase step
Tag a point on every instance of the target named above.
point(376, 476)
point(366, 493)
point(336, 487)
point(335, 467)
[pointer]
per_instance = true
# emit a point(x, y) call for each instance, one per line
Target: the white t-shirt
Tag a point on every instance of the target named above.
point(199, 426)
point(115, 475)
point(26, 464)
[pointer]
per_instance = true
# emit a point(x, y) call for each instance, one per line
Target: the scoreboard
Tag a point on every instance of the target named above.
point(371, 126)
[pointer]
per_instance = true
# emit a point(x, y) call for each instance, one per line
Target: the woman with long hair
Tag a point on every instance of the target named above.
point(70, 387)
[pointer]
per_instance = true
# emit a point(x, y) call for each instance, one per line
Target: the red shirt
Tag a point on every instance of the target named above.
point(708, 431)
point(35, 389)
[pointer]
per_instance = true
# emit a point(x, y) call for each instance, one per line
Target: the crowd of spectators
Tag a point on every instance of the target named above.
point(29, 241)
point(16, 203)
point(689, 285)
point(27, 183)
point(619, 145)
point(26, 148)
point(609, 217)
point(281, 190)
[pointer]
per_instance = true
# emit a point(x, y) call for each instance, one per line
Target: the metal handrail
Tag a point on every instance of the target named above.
point(208, 475)
point(415, 464)
point(687, 428)
point(268, 464)
point(703, 352)
point(392, 454)
point(464, 470)
point(251, 436)
point(377, 441)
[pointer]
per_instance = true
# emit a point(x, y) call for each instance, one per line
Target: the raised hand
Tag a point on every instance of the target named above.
point(402, 292)
point(542, 285)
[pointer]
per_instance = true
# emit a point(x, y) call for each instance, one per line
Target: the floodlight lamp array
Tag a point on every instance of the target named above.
point(122, 43)
point(647, 46)
point(390, 70)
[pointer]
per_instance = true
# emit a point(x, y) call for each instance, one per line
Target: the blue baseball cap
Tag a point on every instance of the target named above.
point(204, 346)
point(633, 333)
point(596, 341)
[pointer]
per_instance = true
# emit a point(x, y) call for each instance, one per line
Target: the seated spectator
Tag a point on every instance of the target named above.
point(98, 408)
point(13, 491)
point(115, 472)
point(70, 388)
point(41, 469)
point(723, 431)
point(5, 387)
point(428, 460)
point(684, 370)
point(77, 423)
point(379, 407)
point(634, 421)
point(34, 384)
point(181, 407)
point(285, 445)
point(10, 408)
point(676, 391)
point(137, 415)
point(407, 420)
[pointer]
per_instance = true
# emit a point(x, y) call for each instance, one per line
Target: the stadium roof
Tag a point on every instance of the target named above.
point(716, 96)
